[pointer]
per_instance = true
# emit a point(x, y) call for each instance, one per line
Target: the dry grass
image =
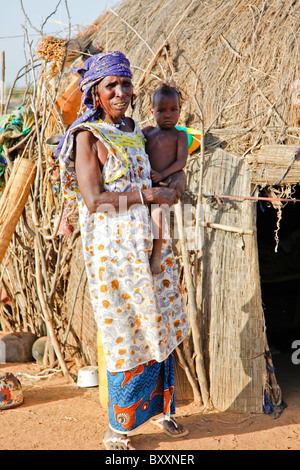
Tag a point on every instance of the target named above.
point(240, 60)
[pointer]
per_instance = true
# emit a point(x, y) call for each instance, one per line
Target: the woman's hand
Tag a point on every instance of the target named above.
point(160, 195)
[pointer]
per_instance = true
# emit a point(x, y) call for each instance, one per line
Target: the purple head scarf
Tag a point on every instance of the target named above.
point(94, 69)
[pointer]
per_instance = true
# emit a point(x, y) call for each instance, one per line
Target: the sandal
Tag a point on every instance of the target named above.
point(171, 427)
point(114, 441)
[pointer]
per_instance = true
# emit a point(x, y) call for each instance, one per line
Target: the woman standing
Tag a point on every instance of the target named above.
point(141, 319)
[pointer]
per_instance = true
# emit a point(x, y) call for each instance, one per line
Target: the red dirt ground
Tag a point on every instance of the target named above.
point(57, 415)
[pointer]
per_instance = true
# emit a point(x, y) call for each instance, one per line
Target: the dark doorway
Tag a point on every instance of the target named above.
point(280, 284)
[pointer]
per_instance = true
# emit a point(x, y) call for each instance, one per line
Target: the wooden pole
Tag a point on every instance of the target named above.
point(47, 314)
point(197, 340)
point(199, 198)
point(227, 228)
point(196, 393)
point(3, 83)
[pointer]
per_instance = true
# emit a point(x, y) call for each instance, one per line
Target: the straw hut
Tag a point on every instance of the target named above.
point(237, 66)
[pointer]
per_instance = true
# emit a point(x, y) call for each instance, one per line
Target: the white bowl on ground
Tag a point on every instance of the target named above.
point(88, 377)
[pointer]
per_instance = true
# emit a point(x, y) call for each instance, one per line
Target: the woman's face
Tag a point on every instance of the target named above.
point(114, 95)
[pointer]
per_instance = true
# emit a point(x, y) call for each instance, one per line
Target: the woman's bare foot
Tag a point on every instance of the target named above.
point(116, 441)
point(171, 427)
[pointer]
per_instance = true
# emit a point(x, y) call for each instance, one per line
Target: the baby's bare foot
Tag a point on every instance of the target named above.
point(155, 265)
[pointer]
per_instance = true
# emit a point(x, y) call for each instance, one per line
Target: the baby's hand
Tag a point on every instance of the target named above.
point(156, 176)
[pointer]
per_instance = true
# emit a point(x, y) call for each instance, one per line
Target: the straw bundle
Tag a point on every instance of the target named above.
point(62, 52)
point(14, 199)
point(52, 49)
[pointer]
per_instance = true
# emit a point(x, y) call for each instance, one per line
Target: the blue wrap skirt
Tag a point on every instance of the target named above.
point(140, 394)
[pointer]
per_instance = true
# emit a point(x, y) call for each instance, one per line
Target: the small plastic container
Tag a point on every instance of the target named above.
point(88, 377)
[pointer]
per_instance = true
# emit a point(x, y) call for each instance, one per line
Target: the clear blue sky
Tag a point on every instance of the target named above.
point(82, 14)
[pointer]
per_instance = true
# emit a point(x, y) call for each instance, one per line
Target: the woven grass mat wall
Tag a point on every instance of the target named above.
point(230, 298)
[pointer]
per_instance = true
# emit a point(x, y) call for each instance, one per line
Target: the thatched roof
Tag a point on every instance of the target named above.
point(237, 61)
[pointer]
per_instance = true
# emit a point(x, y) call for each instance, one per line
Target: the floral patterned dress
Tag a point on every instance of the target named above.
point(141, 318)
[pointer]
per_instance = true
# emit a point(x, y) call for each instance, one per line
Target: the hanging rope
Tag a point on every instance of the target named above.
point(220, 198)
